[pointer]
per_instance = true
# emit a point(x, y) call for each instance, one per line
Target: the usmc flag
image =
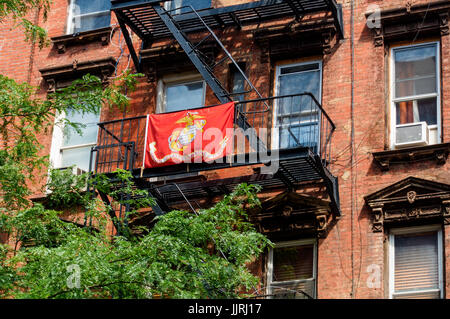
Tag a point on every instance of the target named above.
point(191, 136)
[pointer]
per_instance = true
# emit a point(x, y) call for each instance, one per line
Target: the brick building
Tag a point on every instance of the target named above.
point(354, 96)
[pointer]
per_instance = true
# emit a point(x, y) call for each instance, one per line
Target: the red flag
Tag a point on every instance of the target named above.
point(198, 135)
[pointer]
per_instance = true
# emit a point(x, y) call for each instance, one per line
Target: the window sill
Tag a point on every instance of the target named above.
point(62, 42)
point(438, 152)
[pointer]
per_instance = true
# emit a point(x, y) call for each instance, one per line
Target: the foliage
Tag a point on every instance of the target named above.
point(18, 10)
point(186, 255)
point(23, 117)
point(66, 189)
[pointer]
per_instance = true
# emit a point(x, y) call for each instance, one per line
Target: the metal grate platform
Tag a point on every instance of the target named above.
point(142, 18)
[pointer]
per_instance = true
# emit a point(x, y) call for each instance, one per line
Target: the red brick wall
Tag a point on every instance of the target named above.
point(351, 246)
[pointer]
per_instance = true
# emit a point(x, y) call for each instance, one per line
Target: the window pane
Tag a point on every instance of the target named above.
point(295, 112)
point(71, 137)
point(293, 263)
point(424, 110)
point(416, 262)
point(91, 22)
point(87, 6)
point(415, 71)
point(77, 156)
point(299, 135)
point(300, 82)
point(184, 96)
point(196, 4)
point(428, 111)
point(238, 83)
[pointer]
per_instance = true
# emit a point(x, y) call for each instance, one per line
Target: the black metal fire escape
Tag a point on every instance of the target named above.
point(150, 21)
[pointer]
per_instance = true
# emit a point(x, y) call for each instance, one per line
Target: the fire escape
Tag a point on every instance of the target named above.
point(304, 160)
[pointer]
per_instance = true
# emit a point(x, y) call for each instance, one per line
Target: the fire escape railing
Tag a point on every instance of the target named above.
point(286, 123)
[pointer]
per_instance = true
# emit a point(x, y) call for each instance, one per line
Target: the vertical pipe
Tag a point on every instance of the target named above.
point(352, 142)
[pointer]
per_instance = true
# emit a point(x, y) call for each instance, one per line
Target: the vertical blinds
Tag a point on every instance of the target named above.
point(416, 265)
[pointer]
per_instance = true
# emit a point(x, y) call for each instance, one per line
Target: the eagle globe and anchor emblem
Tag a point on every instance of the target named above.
point(182, 137)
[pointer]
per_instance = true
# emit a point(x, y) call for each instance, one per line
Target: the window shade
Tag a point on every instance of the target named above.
point(293, 271)
point(416, 265)
point(293, 263)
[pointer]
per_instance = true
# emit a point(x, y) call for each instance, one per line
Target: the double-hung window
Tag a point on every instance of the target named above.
point(415, 93)
point(297, 118)
point(85, 15)
point(181, 6)
point(415, 263)
point(291, 271)
point(71, 148)
point(182, 92)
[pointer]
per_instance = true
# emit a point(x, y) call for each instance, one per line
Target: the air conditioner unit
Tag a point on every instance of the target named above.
point(411, 134)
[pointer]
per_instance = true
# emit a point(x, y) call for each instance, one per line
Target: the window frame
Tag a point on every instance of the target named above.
point(291, 243)
point(57, 146)
point(71, 15)
point(391, 256)
point(173, 11)
point(392, 96)
point(179, 79)
point(275, 144)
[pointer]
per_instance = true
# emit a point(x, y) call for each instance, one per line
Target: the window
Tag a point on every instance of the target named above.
point(291, 269)
point(415, 263)
point(70, 148)
point(415, 96)
point(85, 15)
point(181, 92)
point(196, 4)
point(297, 118)
point(238, 82)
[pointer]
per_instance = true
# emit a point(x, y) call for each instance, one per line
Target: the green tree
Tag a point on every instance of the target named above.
point(19, 10)
point(201, 254)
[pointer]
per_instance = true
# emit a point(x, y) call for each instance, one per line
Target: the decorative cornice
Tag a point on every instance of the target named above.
point(411, 21)
point(437, 152)
point(292, 214)
point(60, 76)
point(410, 200)
point(283, 40)
point(62, 42)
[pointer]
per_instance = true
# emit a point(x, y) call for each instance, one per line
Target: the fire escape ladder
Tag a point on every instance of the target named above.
point(206, 68)
point(331, 183)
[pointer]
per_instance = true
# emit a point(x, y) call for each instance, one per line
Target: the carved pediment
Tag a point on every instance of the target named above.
point(411, 199)
point(410, 21)
point(292, 213)
point(62, 75)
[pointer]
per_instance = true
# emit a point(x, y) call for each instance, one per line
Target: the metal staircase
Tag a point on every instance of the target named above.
point(206, 67)
point(191, 29)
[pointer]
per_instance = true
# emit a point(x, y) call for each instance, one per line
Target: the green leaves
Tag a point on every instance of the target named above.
point(66, 189)
point(17, 10)
point(186, 255)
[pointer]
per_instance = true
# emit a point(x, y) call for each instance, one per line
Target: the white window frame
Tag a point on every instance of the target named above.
point(394, 100)
point(412, 230)
point(176, 79)
point(292, 243)
point(275, 131)
point(57, 147)
point(70, 16)
point(167, 6)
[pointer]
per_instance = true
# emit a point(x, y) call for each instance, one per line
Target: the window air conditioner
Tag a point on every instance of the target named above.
point(412, 134)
